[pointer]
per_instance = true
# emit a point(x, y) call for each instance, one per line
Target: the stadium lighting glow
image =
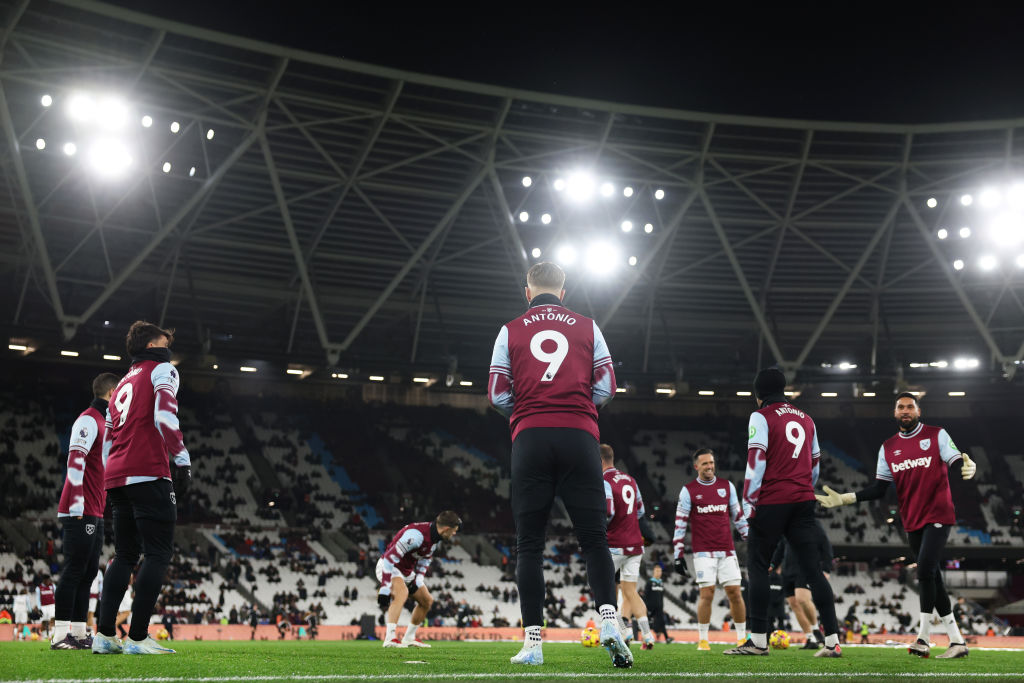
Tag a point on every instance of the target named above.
point(965, 363)
point(705, 392)
point(791, 394)
point(69, 354)
point(663, 391)
point(110, 356)
point(990, 197)
point(988, 262)
point(965, 232)
point(847, 366)
point(376, 378)
point(216, 367)
point(918, 365)
point(147, 121)
point(339, 375)
point(957, 393)
point(111, 113)
point(1008, 229)
point(70, 148)
point(580, 186)
point(627, 226)
point(465, 383)
point(247, 368)
point(293, 371)
point(932, 202)
point(559, 184)
point(943, 233)
point(536, 252)
point(17, 347)
point(966, 200)
point(166, 167)
point(632, 260)
point(545, 218)
point(868, 394)
point(648, 228)
point(421, 380)
point(527, 181)
point(659, 194)
point(81, 107)
point(524, 216)
point(607, 189)
point(566, 255)
point(958, 264)
point(109, 157)
point(1015, 196)
point(46, 100)
point(1020, 261)
point(620, 390)
point(744, 393)
point(175, 126)
point(939, 364)
point(602, 258)
point(209, 134)
point(627, 191)
point(40, 144)
point(191, 171)
point(828, 394)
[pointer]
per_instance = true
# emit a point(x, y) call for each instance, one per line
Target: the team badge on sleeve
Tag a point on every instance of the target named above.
point(926, 444)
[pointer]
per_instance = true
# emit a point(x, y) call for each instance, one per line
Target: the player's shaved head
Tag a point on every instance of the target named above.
point(545, 278)
point(607, 454)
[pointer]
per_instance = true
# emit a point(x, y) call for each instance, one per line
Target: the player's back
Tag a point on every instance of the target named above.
point(625, 503)
point(789, 439)
point(136, 447)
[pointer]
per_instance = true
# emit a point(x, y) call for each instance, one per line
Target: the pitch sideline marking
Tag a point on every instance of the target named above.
point(529, 675)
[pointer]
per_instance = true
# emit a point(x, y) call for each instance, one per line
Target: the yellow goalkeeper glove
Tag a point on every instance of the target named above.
point(834, 499)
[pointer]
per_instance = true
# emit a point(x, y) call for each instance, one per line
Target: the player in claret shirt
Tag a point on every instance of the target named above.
point(550, 370)
point(406, 561)
point(80, 511)
point(141, 433)
point(920, 459)
point(707, 505)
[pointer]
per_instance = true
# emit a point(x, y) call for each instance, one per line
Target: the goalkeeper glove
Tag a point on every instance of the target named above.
point(182, 479)
point(383, 601)
point(834, 499)
point(680, 565)
point(969, 467)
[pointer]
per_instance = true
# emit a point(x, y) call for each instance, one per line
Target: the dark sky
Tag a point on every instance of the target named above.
point(825, 60)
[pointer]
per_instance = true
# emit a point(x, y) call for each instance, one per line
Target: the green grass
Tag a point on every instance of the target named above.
point(341, 660)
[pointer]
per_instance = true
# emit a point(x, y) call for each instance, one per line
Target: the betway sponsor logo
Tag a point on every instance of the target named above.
point(704, 509)
point(910, 464)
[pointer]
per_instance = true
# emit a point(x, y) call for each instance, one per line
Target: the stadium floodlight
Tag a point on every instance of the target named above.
point(166, 167)
point(932, 202)
point(109, 158)
point(536, 252)
point(943, 233)
point(648, 228)
point(965, 363)
point(110, 356)
point(659, 194)
point(744, 393)
point(958, 264)
point(147, 121)
point(46, 100)
point(175, 126)
point(247, 368)
point(111, 112)
point(847, 366)
point(627, 226)
point(939, 364)
point(662, 390)
point(602, 258)
point(524, 216)
point(421, 380)
point(580, 186)
point(627, 191)
point(868, 394)
point(293, 371)
point(17, 347)
point(829, 394)
point(566, 255)
point(965, 232)
point(607, 189)
point(705, 392)
point(209, 134)
point(957, 393)
point(339, 375)
point(1020, 261)
point(40, 144)
point(620, 390)
point(376, 378)
point(918, 365)
point(215, 366)
point(988, 262)
point(81, 107)
point(465, 383)
point(69, 354)
point(1015, 196)
point(990, 198)
point(1007, 229)
point(632, 260)
point(545, 218)
point(966, 200)
point(191, 171)
point(559, 184)
point(527, 181)
point(70, 148)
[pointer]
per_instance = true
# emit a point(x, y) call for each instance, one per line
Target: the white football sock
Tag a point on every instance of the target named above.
point(533, 638)
point(410, 633)
point(925, 628)
point(623, 626)
point(645, 626)
point(608, 613)
point(78, 629)
point(703, 629)
point(390, 635)
point(832, 640)
point(760, 639)
point(952, 629)
point(741, 630)
point(60, 629)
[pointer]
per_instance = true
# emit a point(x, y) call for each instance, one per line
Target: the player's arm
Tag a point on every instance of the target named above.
point(883, 477)
point(422, 566)
point(757, 462)
point(609, 501)
point(108, 437)
point(83, 436)
point(815, 456)
point(960, 464)
point(603, 380)
point(641, 515)
point(409, 541)
point(679, 536)
point(739, 521)
point(499, 383)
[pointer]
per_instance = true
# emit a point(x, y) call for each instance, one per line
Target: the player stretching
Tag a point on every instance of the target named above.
point(707, 504)
point(141, 433)
point(406, 560)
point(80, 511)
point(550, 370)
point(778, 500)
point(920, 459)
point(625, 540)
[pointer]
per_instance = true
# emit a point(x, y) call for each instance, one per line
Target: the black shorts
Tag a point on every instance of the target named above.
point(557, 461)
point(146, 500)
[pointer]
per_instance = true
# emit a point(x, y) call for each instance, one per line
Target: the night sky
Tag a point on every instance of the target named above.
point(825, 60)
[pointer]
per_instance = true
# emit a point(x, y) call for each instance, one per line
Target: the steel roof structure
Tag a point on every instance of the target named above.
point(345, 214)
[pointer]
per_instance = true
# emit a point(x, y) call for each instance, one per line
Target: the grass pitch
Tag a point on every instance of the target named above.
point(210, 661)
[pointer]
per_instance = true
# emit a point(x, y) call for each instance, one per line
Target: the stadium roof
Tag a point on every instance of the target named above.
point(353, 215)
